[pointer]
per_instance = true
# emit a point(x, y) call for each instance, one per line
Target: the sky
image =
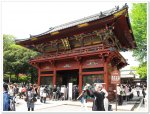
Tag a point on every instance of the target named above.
point(24, 18)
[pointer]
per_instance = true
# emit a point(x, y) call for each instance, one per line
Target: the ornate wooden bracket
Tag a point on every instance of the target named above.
point(78, 59)
point(35, 64)
point(52, 62)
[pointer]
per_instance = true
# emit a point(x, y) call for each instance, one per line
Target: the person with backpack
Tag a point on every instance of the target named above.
point(30, 99)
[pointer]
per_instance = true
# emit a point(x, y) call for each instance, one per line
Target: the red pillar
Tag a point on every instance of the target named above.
point(54, 76)
point(39, 76)
point(106, 74)
point(80, 77)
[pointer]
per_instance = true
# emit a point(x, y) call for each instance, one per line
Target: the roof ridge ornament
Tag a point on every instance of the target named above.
point(50, 29)
point(101, 14)
point(117, 8)
point(125, 5)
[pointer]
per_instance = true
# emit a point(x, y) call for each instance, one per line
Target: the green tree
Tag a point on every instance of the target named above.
point(24, 78)
point(16, 59)
point(8, 40)
point(141, 70)
point(139, 26)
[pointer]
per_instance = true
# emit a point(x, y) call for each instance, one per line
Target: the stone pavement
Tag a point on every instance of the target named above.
point(75, 106)
point(60, 106)
point(142, 107)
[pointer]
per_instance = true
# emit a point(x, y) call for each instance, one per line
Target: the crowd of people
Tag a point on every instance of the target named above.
point(125, 92)
point(31, 92)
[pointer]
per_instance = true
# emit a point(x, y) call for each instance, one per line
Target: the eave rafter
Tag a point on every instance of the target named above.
point(117, 60)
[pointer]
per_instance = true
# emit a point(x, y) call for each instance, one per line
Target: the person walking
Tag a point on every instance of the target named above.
point(144, 94)
point(41, 93)
point(6, 98)
point(44, 95)
point(106, 101)
point(83, 98)
point(119, 93)
point(127, 92)
point(12, 98)
point(30, 99)
point(54, 92)
point(138, 90)
point(11, 91)
point(74, 93)
point(65, 93)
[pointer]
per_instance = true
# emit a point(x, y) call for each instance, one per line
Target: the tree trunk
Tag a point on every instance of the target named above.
point(32, 78)
point(17, 77)
point(10, 78)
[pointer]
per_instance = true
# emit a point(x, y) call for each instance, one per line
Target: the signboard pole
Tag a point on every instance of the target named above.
point(116, 97)
point(115, 79)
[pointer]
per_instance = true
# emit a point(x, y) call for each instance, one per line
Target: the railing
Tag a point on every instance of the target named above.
point(71, 53)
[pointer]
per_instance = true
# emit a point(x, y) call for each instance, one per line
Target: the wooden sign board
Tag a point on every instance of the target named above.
point(115, 77)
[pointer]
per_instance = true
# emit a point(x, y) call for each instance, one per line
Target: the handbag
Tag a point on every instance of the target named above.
point(34, 99)
point(109, 107)
point(26, 99)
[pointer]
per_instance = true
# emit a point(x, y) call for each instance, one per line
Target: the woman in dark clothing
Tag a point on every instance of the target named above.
point(98, 95)
point(54, 92)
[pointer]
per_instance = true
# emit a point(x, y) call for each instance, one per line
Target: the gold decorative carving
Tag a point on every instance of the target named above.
point(83, 25)
point(119, 13)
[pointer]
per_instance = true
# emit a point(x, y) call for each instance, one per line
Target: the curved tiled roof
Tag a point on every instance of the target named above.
point(80, 21)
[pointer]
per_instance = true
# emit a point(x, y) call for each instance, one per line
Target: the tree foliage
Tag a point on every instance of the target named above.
point(139, 26)
point(141, 70)
point(7, 41)
point(16, 58)
point(24, 78)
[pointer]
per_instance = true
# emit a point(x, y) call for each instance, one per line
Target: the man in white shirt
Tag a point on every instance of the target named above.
point(119, 97)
